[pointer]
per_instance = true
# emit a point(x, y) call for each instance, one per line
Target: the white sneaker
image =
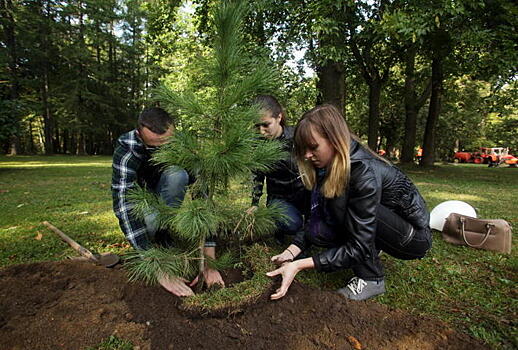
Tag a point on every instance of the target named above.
point(359, 289)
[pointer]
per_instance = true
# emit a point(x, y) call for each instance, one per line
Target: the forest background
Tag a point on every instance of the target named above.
point(436, 74)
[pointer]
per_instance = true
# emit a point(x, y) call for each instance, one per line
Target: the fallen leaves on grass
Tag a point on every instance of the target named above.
point(38, 237)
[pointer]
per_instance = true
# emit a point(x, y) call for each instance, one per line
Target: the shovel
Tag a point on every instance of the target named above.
point(104, 259)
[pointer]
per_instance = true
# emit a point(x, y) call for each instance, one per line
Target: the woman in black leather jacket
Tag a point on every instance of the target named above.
point(360, 205)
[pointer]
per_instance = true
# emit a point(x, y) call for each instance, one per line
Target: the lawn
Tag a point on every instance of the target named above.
point(473, 290)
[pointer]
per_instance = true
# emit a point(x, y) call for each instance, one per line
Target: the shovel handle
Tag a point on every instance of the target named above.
point(82, 250)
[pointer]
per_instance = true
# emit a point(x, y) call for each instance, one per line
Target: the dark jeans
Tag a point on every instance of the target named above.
point(293, 223)
point(396, 237)
point(171, 188)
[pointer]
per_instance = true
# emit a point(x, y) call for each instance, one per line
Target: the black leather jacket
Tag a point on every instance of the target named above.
point(283, 181)
point(353, 214)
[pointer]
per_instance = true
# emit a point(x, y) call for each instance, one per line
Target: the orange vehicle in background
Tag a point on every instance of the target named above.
point(493, 156)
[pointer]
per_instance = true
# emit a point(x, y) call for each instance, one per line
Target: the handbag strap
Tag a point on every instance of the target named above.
point(488, 228)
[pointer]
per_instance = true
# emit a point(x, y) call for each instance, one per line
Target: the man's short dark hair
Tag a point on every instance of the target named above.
point(155, 119)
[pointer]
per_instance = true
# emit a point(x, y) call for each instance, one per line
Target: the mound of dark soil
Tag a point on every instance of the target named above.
point(73, 305)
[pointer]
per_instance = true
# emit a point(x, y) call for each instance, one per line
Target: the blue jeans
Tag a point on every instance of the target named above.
point(294, 222)
point(171, 189)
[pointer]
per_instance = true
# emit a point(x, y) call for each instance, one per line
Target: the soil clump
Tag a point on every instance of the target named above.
point(76, 305)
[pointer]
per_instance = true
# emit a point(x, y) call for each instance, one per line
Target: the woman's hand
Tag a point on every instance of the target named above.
point(282, 258)
point(287, 255)
point(288, 273)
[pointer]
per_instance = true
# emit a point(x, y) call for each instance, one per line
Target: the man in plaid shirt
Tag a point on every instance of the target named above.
point(131, 167)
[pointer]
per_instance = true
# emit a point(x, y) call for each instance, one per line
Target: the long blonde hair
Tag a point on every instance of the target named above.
point(327, 121)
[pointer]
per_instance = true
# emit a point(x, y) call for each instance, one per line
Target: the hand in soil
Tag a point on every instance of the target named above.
point(176, 285)
point(288, 272)
point(212, 278)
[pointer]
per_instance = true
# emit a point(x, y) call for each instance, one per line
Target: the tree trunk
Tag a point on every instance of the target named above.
point(412, 106)
point(48, 127)
point(374, 113)
point(47, 114)
point(8, 25)
point(32, 148)
point(375, 79)
point(65, 140)
point(407, 152)
point(331, 84)
point(81, 145)
point(13, 145)
point(73, 143)
point(433, 112)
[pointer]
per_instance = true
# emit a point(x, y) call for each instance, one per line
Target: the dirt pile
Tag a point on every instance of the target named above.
point(71, 305)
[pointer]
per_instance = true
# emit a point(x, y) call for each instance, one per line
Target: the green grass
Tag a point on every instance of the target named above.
point(473, 290)
point(113, 343)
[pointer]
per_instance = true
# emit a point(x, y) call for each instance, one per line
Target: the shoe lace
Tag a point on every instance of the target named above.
point(356, 285)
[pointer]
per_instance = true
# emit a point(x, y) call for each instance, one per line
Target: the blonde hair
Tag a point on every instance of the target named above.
point(327, 121)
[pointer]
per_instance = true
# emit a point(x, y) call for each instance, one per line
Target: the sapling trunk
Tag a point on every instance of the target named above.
point(201, 267)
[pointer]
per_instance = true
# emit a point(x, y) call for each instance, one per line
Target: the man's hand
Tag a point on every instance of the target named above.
point(251, 210)
point(213, 277)
point(176, 286)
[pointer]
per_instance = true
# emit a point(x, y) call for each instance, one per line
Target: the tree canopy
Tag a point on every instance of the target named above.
point(434, 74)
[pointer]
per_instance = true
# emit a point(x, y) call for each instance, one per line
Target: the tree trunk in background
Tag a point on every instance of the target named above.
point(73, 143)
point(47, 114)
point(14, 145)
point(374, 113)
point(407, 152)
point(8, 25)
point(433, 112)
point(57, 138)
point(412, 106)
point(331, 84)
point(48, 122)
point(375, 80)
point(65, 140)
point(81, 145)
point(32, 148)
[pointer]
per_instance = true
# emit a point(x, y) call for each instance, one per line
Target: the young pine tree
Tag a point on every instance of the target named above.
point(217, 143)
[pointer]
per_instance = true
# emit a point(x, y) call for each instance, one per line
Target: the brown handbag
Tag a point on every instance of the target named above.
point(486, 234)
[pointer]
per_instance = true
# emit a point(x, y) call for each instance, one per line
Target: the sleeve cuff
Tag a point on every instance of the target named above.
point(210, 244)
point(316, 262)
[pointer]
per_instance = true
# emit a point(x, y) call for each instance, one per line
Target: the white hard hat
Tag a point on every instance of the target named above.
point(442, 210)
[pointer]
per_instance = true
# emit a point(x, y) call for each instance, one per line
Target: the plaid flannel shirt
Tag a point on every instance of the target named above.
point(130, 153)
point(129, 156)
